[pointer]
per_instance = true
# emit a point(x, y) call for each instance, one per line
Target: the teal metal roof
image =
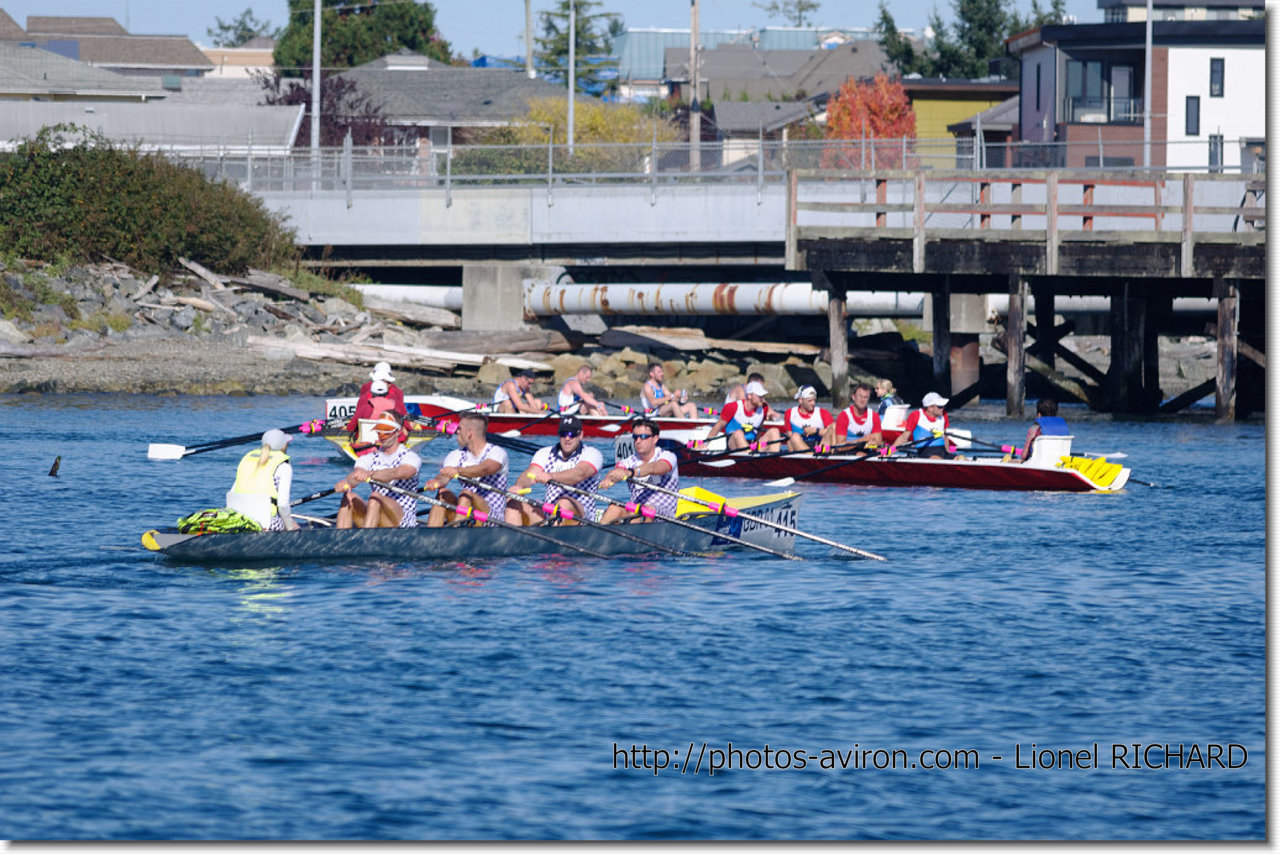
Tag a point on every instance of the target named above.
point(640, 51)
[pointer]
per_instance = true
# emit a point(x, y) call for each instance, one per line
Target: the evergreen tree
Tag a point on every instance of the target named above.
point(234, 33)
point(355, 34)
point(553, 45)
point(960, 50)
point(797, 13)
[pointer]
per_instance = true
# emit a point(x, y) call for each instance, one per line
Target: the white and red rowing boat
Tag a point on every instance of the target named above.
point(1051, 466)
point(445, 408)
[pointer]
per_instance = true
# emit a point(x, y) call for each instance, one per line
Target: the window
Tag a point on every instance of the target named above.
point(1216, 72)
point(1193, 115)
point(1085, 99)
point(1215, 152)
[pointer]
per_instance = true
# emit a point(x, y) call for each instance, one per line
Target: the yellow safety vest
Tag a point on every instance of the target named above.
point(250, 479)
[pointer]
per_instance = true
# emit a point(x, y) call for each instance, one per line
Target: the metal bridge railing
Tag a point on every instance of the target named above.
point(731, 161)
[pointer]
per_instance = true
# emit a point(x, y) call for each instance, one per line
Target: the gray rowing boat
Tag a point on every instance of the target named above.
point(461, 543)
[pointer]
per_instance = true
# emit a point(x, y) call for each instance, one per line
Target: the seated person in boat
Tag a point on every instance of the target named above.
point(806, 422)
point(887, 395)
point(925, 429)
point(514, 396)
point(657, 400)
point(570, 461)
point(390, 463)
point(647, 464)
point(475, 457)
point(377, 396)
point(857, 426)
point(740, 421)
point(575, 399)
point(263, 480)
point(739, 393)
point(1047, 423)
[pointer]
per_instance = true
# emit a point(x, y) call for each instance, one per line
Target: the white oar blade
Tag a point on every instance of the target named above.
point(165, 451)
point(719, 464)
point(781, 482)
point(510, 434)
point(613, 428)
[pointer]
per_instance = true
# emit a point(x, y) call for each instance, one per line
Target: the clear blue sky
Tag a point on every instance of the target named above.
point(496, 26)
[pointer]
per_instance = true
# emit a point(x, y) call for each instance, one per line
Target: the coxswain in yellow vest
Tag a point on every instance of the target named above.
point(263, 480)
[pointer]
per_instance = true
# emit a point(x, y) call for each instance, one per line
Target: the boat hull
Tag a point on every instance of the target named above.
point(900, 471)
point(593, 427)
point(465, 543)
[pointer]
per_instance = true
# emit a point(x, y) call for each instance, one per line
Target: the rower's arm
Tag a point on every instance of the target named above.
point(653, 467)
point(717, 428)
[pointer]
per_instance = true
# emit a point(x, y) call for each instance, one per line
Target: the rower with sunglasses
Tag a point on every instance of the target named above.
point(569, 461)
point(648, 464)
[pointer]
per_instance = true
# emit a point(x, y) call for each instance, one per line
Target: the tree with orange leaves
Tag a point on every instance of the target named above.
point(878, 110)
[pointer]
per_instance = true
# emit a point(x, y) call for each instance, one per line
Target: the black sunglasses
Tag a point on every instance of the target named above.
point(643, 435)
point(570, 432)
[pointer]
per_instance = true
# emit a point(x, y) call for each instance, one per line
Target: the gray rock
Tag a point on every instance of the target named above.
point(163, 314)
point(400, 336)
point(10, 333)
point(338, 306)
point(312, 313)
point(119, 305)
point(493, 373)
point(49, 313)
point(183, 318)
point(295, 332)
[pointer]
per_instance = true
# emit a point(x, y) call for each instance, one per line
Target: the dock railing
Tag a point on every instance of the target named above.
point(1044, 206)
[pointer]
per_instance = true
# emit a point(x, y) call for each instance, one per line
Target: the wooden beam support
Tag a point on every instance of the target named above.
point(942, 336)
point(1158, 309)
point(1048, 339)
point(837, 336)
point(1228, 293)
point(1124, 378)
point(1015, 348)
point(1188, 397)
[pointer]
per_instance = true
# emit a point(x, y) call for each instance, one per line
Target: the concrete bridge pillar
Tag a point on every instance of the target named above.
point(493, 294)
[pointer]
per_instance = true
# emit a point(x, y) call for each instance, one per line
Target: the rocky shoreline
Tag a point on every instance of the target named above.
point(108, 329)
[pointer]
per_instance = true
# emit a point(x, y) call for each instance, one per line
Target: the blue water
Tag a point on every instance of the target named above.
point(416, 699)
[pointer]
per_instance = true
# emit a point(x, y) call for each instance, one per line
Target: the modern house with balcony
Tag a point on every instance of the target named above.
point(1083, 85)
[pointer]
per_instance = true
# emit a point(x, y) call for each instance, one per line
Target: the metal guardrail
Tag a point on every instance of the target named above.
point(746, 161)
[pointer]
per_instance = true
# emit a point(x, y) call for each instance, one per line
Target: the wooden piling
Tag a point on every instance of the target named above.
point(941, 306)
point(1228, 293)
point(837, 337)
point(1047, 339)
point(1016, 348)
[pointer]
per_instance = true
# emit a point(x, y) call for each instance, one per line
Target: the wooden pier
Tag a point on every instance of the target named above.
point(1138, 238)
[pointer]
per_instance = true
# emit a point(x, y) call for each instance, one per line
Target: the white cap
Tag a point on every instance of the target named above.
point(382, 371)
point(756, 388)
point(379, 387)
point(933, 399)
point(806, 392)
point(276, 439)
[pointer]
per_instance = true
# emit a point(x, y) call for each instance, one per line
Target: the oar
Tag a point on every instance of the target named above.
point(498, 439)
point(836, 449)
point(169, 451)
point(650, 513)
point(515, 431)
point(482, 516)
point(863, 456)
point(319, 495)
point(552, 510)
point(727, 510)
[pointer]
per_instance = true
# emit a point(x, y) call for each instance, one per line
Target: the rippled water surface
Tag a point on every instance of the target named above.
point(417, 699)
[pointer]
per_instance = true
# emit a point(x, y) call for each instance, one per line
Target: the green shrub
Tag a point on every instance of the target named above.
point(68, 194)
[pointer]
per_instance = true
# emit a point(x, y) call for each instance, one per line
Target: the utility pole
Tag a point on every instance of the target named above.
point(572, 68)
point(315, 92)
point(528, 39)
point(1146, 98)
point(695, 109)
